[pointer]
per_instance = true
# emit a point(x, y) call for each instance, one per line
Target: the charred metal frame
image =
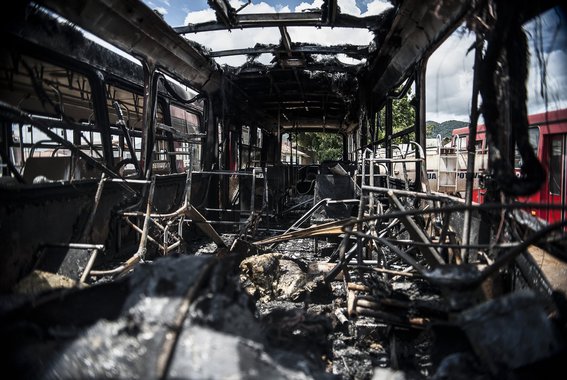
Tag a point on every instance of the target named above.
point(281, 20)
point(105, 198)
point(349, 50)
point(123, 22)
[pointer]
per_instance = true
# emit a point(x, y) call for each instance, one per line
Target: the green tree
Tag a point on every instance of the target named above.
point(430, 128)
point(403, 117)
point(325, 146)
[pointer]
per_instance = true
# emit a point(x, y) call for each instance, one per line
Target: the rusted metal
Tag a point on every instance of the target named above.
point(431, 255)
point(140, 231)
point(89, 266)
point(387, 271)
point(142, 249)
point(329, 228)
point(201, 223)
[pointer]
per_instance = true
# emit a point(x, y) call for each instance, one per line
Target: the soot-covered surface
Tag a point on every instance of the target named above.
point(303, 313)
point(271, 313)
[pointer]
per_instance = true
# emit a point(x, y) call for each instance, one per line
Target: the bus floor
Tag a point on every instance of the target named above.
point(554, 269)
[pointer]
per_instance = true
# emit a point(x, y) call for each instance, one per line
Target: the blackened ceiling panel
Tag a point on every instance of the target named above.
point(133, 27)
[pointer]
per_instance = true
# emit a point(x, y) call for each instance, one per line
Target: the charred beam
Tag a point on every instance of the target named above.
point(333, 67)
point(133, 27)
point(286, 40)
point(426, 27)
point(301, 90)
point(224, 12)
point(330, 11)
point(349, 50)
point(245, 51)
point(273, 85)
point(263, 20)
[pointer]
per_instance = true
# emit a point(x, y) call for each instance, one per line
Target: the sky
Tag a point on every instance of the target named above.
point(449, 73)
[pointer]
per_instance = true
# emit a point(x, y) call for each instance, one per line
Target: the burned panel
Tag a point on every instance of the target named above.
point(48, 214)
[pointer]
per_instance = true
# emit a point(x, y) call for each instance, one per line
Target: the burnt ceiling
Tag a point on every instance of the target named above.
point(305, 85)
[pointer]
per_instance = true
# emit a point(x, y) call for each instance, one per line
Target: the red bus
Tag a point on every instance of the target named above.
point(548, 136)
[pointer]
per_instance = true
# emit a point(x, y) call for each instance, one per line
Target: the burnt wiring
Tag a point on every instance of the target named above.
point(506, 42)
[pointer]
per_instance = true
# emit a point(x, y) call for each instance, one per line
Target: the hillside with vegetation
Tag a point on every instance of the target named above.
point(444, 129)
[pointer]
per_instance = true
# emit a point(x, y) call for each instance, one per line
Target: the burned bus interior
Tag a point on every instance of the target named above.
point(161, 215)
